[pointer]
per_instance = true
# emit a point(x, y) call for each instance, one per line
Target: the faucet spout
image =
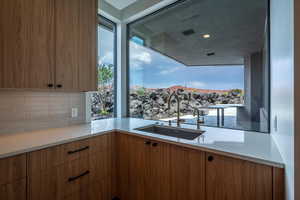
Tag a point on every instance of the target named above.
point(176, 96)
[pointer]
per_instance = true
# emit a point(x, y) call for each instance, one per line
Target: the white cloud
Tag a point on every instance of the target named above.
point(170, 70)
point(196, 84)
point(144, 57)
point(139, 56)
point(107, 58)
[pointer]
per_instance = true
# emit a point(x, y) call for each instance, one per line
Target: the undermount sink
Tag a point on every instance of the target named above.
point(184, 133)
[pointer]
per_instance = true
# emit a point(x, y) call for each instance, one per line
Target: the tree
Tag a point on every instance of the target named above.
point(105, 85)
point(105, 74)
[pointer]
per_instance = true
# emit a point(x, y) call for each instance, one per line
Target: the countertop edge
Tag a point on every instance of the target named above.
point(201, 148)
point(209, 150)
point(61, 142)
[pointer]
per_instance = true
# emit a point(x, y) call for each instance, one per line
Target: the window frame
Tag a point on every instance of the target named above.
point(268, 40)
point(111, 26)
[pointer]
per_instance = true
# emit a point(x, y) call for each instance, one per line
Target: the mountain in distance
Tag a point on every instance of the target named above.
point(176, 87)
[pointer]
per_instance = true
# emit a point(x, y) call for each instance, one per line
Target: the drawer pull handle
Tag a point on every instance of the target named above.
point(79, 176)
point(78, 150)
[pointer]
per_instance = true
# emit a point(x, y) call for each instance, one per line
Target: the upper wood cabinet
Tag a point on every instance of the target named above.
point(26, 43)
point(76, 45)
point(47, 44)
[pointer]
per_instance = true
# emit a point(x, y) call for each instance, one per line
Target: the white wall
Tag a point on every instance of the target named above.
point(282, 84)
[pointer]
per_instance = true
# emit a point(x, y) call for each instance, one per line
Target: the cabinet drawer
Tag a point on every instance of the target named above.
point(65, 180)
point(14, 191)
point(46, 159)
point(97, 190)
point(12, 169)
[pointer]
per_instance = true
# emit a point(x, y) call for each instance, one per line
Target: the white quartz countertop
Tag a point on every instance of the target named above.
point(252, 146)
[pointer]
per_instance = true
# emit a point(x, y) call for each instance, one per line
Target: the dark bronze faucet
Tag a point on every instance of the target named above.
point(176, 95)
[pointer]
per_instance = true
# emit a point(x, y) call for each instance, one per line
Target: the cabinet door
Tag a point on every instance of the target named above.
point(228, 178)
point(133, 167)
point(187, 174)
point(26, 43)
point(101, 167)
point(159, 180)
point(76, 29)
point(13, 191)
point(67, 35)
point(87, 44)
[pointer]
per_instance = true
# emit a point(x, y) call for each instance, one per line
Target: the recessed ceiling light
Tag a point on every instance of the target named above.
point(206, 36)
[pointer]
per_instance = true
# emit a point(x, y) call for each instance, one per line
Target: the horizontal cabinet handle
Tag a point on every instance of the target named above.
point(59, 86)
point(79, 176)
point(147, 142)
point(50, 85)
point(78, 150)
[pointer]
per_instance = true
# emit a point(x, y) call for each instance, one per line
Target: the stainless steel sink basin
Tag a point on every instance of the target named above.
point(188, 134)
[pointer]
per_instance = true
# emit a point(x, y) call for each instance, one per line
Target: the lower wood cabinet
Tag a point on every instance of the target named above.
point(228, 178)
point(156, 170)
point(13, 178)
point(86, 176)
point(13, 191)
point(134, 168)
point(187, 173)
point(152, 170)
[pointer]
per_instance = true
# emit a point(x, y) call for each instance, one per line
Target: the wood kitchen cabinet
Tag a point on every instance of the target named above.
point(13, 178)
point(148, 169)
point(13, 191)
point(48, 44)
point(187, 173)
point(132, 171)
point(82, 169)
point(135, 168)
point(155, 170)
point(229, 178)
point(76, 45)
point(26, 43)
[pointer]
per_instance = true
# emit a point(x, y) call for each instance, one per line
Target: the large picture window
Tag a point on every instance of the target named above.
point(215, 57)
point(103, 101)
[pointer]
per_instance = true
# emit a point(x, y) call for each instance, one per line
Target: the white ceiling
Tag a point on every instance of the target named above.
point(120, 4)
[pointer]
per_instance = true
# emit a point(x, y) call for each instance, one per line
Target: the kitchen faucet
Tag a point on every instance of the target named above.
point(198, 112)
point(176, 96)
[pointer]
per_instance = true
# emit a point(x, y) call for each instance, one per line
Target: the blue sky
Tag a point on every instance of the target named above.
point(154, 70)
point(151, 69)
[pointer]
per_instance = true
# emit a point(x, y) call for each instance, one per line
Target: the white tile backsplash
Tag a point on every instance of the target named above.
point(27, 111)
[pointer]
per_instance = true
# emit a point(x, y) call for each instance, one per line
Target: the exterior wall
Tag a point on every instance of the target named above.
point(282, 85)
point(255, 113)
point(27, 111)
